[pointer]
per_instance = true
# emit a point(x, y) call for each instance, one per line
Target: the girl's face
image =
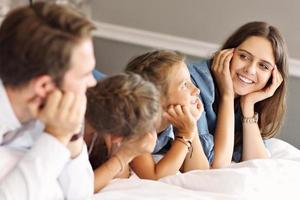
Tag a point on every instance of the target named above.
point(181, 90)
point(251, 65)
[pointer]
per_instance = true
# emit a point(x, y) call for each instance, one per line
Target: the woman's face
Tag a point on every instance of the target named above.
point(181, 90)
point(251, 65)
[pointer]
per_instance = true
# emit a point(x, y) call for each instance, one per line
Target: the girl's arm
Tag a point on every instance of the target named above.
point(117, 165)
point(181, 118)
point(145, 167)
point(196, 158)
point(224, 132)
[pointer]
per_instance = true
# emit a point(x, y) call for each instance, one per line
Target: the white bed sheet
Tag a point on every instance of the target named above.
point(275, 178)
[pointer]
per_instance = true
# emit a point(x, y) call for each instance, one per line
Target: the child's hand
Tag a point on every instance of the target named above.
point(138, 145)
point(63, 115)
point(183, 120)
point(198, 110)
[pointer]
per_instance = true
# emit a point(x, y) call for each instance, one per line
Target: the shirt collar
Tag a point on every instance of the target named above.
point(8, 119)
point(168, 132)
point(163, 138)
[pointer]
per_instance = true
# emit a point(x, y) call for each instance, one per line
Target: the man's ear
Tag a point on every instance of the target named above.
point(42, 85)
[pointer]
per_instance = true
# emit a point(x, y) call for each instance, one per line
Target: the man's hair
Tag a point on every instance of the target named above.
point(38, 40)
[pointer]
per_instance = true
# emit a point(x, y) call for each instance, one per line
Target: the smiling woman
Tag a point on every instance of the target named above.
point(246, 100)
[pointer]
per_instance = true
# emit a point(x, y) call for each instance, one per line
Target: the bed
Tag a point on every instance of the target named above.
point(275, 178)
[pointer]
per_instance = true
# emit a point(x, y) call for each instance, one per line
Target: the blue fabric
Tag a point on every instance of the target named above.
point(163, 139)
point(98, 75)
point(202, 78)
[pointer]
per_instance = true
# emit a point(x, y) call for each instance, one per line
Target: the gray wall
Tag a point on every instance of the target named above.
point(205, 20)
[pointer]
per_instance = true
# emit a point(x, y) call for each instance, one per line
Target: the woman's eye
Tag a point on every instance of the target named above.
point(264, 66)
point(244, 57)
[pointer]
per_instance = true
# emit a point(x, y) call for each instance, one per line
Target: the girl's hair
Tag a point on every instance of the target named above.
point(155, 66)
point(271, 110)
point(123, 105)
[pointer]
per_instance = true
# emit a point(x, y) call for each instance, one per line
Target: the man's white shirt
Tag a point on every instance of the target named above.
point(35, 165)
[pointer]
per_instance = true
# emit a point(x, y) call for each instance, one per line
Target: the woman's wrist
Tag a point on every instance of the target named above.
point(227, 97)
point(247, 109)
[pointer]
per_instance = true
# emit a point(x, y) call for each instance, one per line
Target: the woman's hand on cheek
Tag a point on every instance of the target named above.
point(183, 120)
point(248, 101)
point(221, 71)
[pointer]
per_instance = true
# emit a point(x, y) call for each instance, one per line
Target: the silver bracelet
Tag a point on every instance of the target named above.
point(251, 120)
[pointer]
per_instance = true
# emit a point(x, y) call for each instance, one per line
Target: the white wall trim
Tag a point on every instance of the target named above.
point(164, 41)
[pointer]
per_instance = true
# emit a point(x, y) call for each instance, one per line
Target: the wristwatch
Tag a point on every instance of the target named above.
point(251, 120)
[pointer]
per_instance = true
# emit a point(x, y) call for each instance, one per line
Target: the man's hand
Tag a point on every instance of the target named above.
point(63, 115)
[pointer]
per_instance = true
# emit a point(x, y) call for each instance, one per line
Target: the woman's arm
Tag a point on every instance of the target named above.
point(224, 132)
point(253, 146)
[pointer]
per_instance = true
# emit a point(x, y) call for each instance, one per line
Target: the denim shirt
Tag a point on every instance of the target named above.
point(163, 140)
point(202, 78)
point(98, 75)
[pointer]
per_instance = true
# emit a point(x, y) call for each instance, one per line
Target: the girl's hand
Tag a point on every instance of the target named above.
point(249, 100)
point(221, 71)
point(183, 120)
point(138, 145)
point(198, 110)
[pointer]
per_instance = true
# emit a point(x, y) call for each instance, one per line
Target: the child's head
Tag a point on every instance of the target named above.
point(259, 47)
point(122, 106)
point(168, 71)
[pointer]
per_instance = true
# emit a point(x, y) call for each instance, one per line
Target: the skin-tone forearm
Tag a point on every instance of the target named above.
point(196, 159)
point(110, 170)
point(224, 133)
point(253, 146)
point(145, 167)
